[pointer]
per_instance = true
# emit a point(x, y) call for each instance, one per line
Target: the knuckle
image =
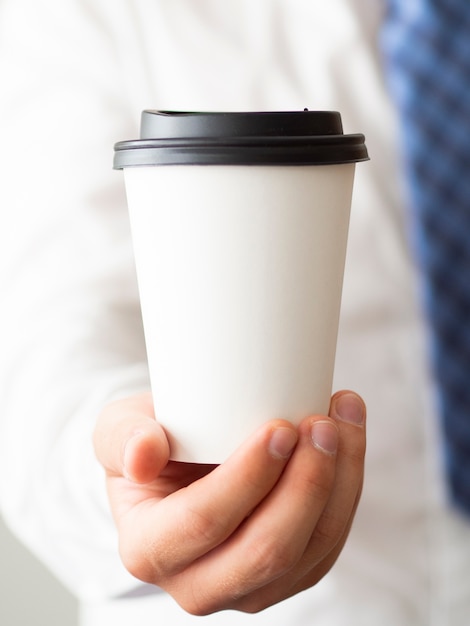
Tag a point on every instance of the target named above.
point(145, 558)
point(271, 559)
point(327, 532)
point(201, 597)
point(136, 562)
point(204, 527)
point(197, 606)
point(356, 456)
point(318, 484)
point(256, 604)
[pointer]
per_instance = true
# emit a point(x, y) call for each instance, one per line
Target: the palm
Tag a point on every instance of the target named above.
point(126, 495)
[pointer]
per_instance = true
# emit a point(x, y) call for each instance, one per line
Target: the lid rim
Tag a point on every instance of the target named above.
point(220, 155)
point(244, 141)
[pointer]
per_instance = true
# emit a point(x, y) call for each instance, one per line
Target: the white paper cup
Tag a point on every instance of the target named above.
point(240, 270)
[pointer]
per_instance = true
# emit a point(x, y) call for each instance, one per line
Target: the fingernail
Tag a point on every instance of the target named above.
point(325, 437)
point(350, 408)
point(282, 443)
point(127, 452)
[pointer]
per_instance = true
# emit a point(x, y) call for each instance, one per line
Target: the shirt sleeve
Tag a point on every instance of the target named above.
point(70, 327)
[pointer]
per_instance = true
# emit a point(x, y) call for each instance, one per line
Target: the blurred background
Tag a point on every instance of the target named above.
point(46, 603)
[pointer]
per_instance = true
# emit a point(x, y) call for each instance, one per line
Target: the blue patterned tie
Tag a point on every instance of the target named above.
point(426, 45)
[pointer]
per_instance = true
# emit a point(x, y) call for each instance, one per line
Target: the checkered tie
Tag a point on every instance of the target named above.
point(426, 45)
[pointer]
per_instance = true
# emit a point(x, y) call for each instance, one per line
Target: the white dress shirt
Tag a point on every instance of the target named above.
point(77, 75)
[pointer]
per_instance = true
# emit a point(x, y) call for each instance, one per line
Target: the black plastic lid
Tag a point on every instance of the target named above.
point(266, 138)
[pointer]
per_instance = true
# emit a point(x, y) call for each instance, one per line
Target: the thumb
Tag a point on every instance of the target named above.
point(129, 442)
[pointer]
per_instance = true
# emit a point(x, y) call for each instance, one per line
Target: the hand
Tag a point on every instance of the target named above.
point(265, 525)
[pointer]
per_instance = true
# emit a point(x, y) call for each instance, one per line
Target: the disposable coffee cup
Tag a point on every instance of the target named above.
point(239, 224)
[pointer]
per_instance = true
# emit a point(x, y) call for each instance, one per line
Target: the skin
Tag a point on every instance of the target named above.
point(262, 526)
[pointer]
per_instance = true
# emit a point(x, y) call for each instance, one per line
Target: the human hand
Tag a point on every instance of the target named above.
point(264, 525)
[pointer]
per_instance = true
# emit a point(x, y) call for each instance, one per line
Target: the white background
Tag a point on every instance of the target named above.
point(46, 602)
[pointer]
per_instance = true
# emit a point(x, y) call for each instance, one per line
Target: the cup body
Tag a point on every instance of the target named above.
point(240, 271)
